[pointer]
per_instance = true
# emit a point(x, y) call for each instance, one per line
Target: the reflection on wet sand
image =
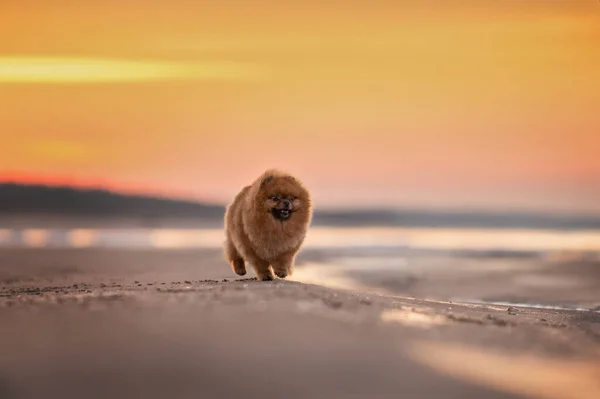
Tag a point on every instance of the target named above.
point(322, 237)
point(510, 266)
point(36, 237)
point(532, 377)
point(81, 238)
point(5, 235)
point(413, 319)
point(200, 238)
point(322, 274)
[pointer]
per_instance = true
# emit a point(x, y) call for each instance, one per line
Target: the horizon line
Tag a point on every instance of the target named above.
point(76, 184)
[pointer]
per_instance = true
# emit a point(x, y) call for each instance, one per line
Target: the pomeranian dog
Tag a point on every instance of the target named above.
point(266, 224)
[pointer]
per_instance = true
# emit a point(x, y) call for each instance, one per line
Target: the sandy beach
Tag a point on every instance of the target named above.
point(153, 324)
point(435, 163)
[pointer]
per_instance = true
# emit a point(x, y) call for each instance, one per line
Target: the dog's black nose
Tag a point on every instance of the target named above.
point(286, 204)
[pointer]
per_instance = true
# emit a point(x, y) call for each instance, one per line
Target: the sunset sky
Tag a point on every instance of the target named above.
point(488, 104)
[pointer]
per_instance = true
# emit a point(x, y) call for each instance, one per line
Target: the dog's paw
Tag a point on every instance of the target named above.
point(239, 267)
point(266, 277)
point(281, 273)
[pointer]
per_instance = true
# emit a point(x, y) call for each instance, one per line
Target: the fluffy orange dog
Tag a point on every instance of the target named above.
point(266, 224)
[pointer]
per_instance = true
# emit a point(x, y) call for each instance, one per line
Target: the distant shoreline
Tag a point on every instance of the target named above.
point(17, 220)
point(31, 206)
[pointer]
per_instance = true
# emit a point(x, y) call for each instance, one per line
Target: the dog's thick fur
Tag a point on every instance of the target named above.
point(255, 234)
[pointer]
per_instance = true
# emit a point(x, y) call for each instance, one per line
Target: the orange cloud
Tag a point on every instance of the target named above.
point(97, 70)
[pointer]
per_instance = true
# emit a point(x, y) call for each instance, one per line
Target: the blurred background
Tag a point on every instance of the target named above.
point(451, 146)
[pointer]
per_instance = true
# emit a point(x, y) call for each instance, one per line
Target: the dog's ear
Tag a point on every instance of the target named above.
point(265, 180)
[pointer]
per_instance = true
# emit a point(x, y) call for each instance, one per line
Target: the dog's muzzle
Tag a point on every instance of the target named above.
point(281, 214)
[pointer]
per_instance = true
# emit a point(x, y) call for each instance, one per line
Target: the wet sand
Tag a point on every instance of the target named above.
point(178, 324)
point(570, 281)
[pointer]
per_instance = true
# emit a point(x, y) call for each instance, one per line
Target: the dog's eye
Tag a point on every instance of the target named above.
point(275, 199)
